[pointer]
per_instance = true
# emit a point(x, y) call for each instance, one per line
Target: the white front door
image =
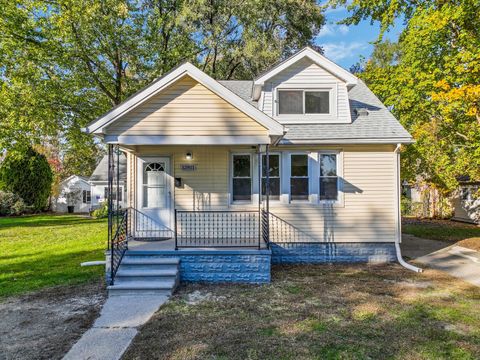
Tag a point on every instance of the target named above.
point(155, 189)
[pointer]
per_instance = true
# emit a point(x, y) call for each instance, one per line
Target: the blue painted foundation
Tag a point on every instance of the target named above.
point(244, 266)
point(327, 253)
point(253, 266)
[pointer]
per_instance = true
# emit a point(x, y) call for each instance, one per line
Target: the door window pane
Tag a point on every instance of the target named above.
point(299, 177)
point(274, 165)
point(154, 185)
point(241, 180)
point(328, 177)
point(290, 102)
point(317, 102)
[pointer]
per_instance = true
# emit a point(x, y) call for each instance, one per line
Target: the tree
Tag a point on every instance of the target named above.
point(431, 79)
point(26, 173)
point(66, 62)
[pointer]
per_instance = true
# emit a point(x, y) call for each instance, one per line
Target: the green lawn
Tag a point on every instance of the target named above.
point(445, 230)
point(46, 250)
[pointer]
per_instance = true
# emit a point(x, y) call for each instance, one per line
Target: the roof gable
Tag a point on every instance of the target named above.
point(96, 127)
point(307, 53)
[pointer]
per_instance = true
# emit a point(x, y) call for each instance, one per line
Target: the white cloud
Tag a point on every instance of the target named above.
point(332, 30)
point(343, 29)
point(342, 50)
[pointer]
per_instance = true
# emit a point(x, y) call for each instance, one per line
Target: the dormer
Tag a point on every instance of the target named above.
point(306, 88)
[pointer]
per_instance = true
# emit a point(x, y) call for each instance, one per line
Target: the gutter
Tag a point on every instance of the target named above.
point(398, 220)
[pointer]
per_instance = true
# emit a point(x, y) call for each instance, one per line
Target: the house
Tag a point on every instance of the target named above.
point(466, 202)
point(300, 165)
point(73, 191)
point(99, 182)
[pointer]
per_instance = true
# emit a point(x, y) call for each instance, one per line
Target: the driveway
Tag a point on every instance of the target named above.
point(455, 260)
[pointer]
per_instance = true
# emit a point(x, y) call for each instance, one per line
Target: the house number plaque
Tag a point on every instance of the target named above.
point(188, 167)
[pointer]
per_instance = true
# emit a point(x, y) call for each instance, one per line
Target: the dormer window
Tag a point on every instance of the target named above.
point(307, 102)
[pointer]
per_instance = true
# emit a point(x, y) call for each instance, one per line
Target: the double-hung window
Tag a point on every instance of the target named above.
point(86, 196)
point(303, 102)
point(328, 177)
point(114, 193)
point(274, 173)
point(299, 177)
point(241, 177)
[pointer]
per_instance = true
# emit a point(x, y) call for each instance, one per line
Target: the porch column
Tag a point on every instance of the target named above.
point(109, 193)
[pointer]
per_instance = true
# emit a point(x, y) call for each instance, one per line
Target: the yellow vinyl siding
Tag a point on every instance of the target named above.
point(186, 108)
point(366, 215)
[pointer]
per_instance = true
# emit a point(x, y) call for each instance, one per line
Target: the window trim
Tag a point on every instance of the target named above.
point(279, 153)
point(339, 163)
point(105, 193)
point(307, 118)
point(240, 202)
point(307, 154)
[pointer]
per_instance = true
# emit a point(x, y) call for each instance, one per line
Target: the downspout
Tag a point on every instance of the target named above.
point(398, 231)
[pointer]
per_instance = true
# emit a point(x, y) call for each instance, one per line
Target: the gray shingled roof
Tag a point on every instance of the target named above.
point(378, 126)
point(242, 88)
point(101, 171)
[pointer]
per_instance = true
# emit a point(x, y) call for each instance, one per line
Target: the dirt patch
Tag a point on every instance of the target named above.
point(45, 324)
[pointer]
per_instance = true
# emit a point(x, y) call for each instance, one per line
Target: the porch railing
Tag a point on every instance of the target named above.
point(118, 246)
point(218, 229)
point(281, 231)
point(143, 227)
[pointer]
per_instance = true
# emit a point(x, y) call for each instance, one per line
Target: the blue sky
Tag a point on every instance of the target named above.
point(345, 44)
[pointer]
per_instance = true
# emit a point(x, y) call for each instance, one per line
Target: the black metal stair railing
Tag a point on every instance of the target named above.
point(118, 246)
point(281, 231)
point(217, 229)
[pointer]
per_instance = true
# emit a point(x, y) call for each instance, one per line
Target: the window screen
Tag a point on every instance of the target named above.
point(241, 179)
point(274, 166)
point(328, 177)
point(299, 177)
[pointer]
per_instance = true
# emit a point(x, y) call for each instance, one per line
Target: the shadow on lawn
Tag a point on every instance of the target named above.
point(47, 220)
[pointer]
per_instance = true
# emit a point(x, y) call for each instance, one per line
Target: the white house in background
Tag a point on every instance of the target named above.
point(99, 182)
point(466, 204)
point(73, 184)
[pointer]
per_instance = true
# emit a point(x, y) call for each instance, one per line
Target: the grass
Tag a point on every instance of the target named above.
point(46, 250)
point(319, 312)
point(467, 235)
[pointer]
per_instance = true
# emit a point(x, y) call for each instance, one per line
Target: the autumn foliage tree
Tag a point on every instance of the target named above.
point(431, 80)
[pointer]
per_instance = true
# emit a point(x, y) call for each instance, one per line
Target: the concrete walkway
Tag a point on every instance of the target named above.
point(455, 260)
point(114, 330)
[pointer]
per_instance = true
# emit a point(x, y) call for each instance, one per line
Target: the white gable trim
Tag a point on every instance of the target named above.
point(71, 177)
point(350, 79)
point(97, 126)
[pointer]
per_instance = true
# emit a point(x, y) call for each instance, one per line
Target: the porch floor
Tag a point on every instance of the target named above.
point(159, 245)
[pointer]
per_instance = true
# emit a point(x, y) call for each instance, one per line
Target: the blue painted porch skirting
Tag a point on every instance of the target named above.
point(245, 266)
point(253, 266)
point(326, 253)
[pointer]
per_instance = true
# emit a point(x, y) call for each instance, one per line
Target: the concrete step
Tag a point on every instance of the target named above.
point(149, 262)
point(164, 287)
point(135, 274)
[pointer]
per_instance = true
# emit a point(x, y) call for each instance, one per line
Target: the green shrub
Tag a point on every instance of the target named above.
point(101, 212)
point(26, 173)
point(11, 204)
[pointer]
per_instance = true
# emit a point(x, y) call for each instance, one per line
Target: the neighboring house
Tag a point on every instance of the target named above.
point(411, 192)
point(300, 165)
point(77, 188)
point(466, 202)
point(99, 182)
